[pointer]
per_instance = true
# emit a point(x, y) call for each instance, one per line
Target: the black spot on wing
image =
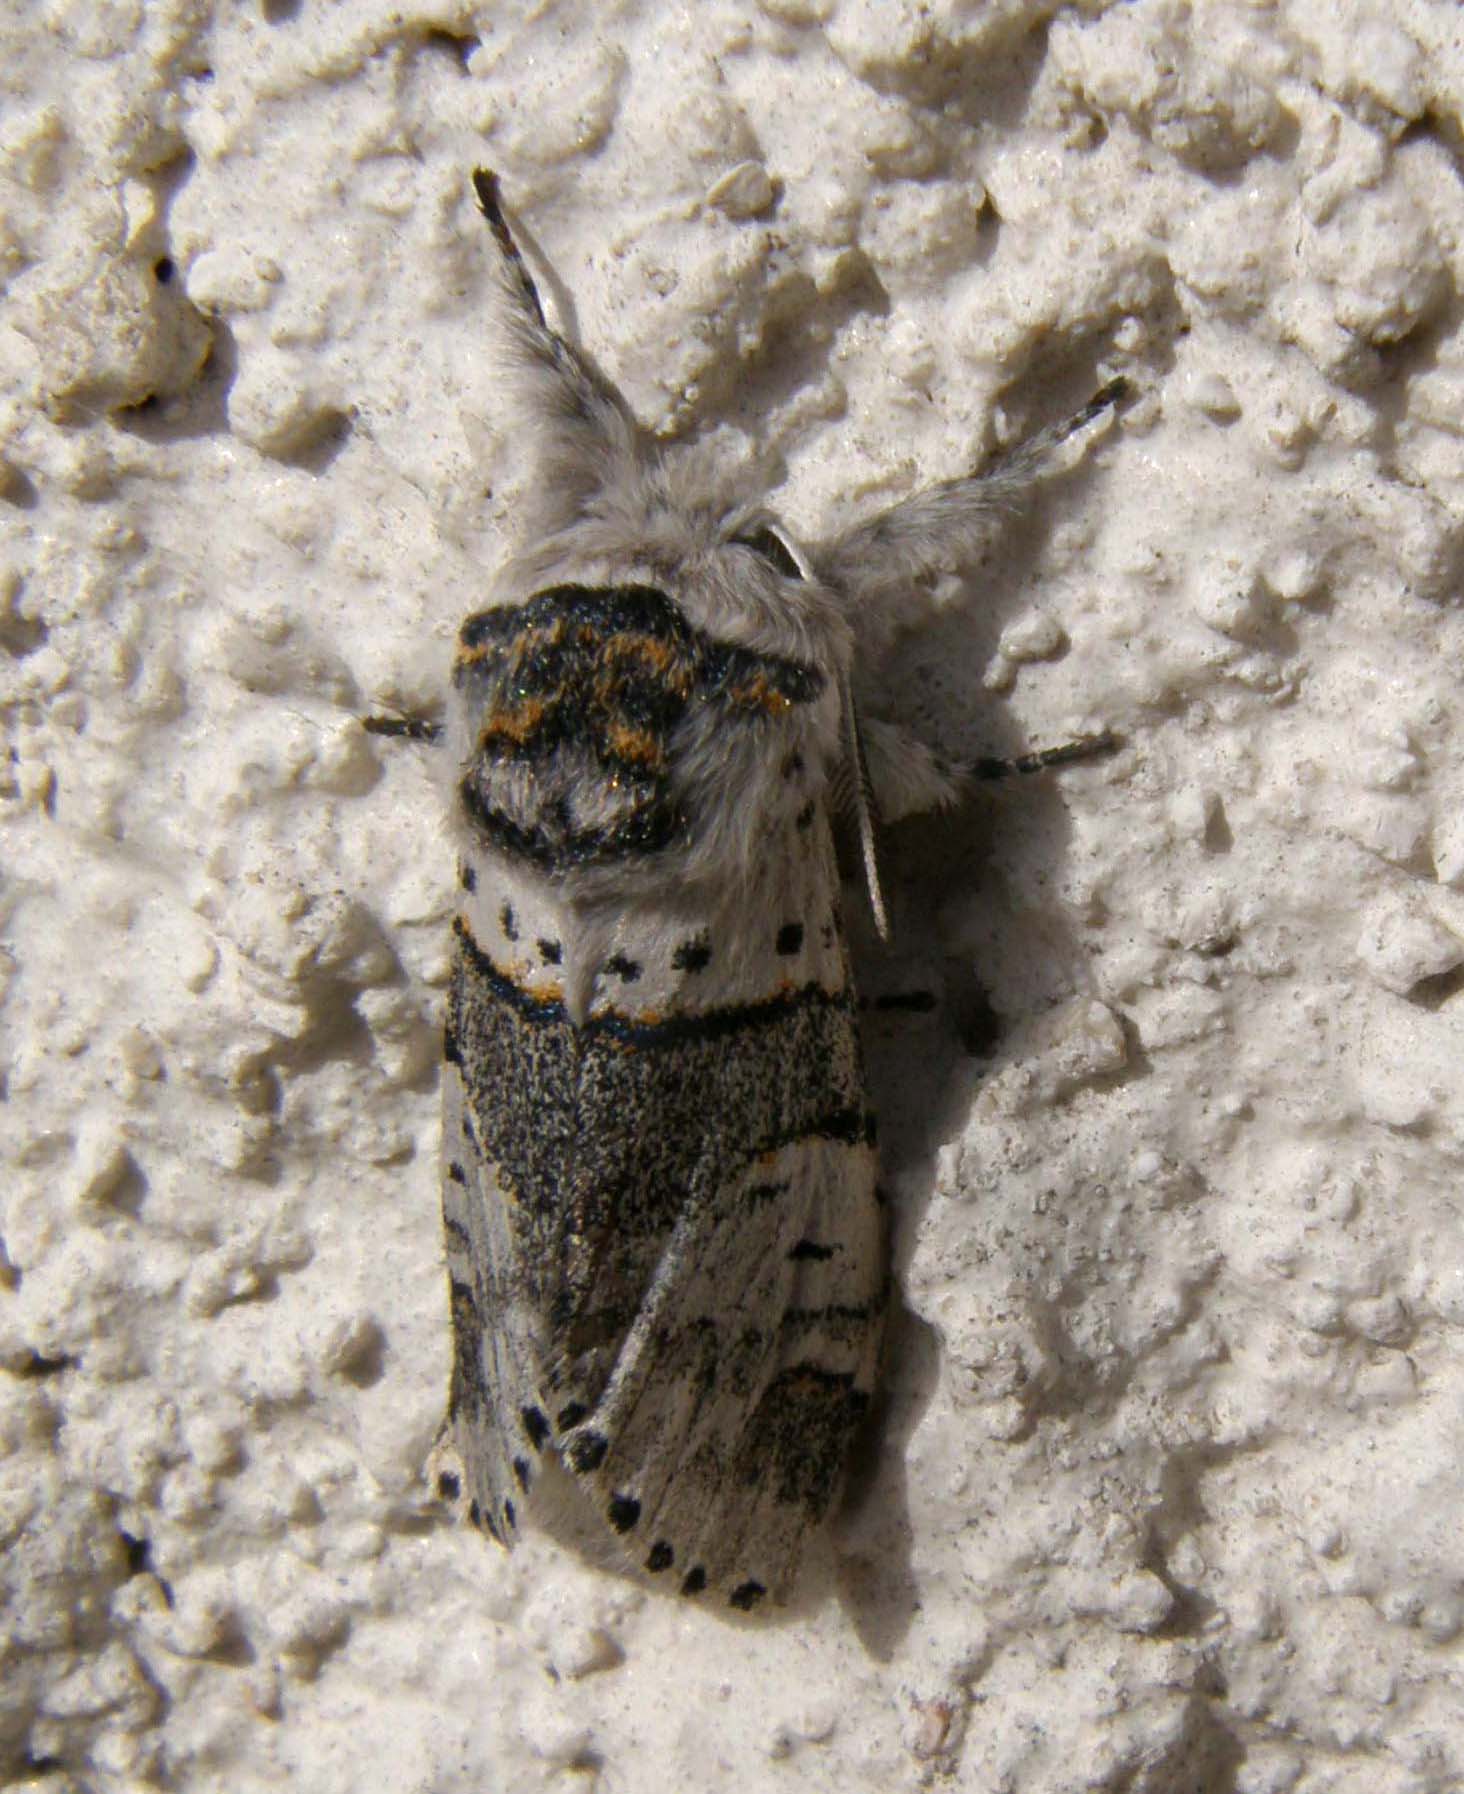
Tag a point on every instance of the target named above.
point(551, 952)
point(535, 1426)
point(508, 922)
point(626, 969)
point(728, 1088)
point(694, 1581)
point(467, 877)
point(811, 1250)
point(521, 1473)
point(746, 1596)
point(826, 1009)
point(661, 1557)
point(847, 1321)
point(757, 1193)
point(587, 1453)
point(448, 1486)
point(456, 1173)
point(623, 1512)
point(692, 956)
point(790, 939)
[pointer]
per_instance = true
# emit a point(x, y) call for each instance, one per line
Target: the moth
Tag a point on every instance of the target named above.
point(665, 1238)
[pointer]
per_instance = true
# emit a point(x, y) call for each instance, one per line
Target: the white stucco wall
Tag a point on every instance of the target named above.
point(1167, 1492)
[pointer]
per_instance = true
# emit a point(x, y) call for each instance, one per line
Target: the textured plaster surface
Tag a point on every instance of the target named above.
point(1165, 1494)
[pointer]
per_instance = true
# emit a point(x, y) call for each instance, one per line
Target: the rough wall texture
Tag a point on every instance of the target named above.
point(1165, 1497)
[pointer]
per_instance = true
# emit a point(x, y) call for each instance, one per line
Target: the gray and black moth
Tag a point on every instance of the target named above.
point(665, 1241)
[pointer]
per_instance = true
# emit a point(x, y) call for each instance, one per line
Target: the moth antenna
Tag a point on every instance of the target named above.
point(862, 806)
point(485, 191)
point(881, 564)
point(580, 425)
point(1027, 457)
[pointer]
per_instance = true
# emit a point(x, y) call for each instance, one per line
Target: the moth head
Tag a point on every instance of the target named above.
point(750, 579)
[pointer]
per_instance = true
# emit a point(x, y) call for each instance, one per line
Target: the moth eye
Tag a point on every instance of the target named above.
point(771, 546)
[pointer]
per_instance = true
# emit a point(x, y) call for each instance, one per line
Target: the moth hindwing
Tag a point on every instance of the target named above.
point(665, 1247)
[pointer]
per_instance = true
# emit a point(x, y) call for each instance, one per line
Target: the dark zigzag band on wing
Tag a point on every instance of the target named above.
point(577, 696)
point(645, 1031)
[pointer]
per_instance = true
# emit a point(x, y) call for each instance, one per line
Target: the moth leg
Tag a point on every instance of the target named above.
point(402, 728)
point(1086, 747)
point(906, 775)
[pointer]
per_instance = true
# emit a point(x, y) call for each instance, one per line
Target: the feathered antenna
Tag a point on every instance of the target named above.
point(879, 568)
point(926, 533)
point(583, 432)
